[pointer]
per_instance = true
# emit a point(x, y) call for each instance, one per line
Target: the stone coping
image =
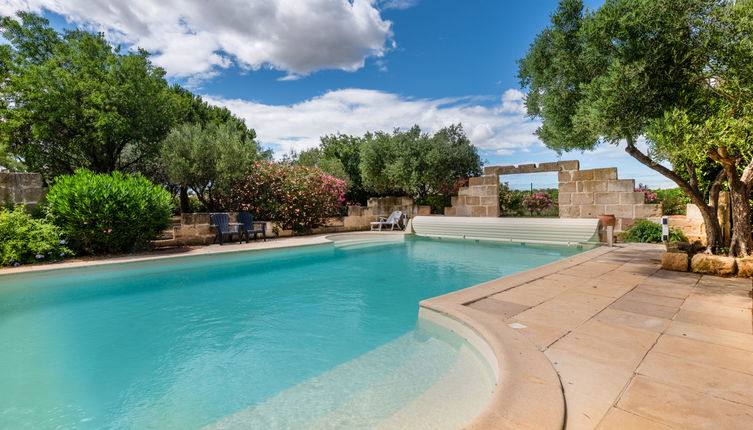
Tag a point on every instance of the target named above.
point(528, 393)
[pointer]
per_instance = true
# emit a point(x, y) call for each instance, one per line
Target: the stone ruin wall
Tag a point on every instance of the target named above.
point(22, 188)
point(582, 193)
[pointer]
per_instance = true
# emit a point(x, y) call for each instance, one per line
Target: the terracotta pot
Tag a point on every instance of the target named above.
point(604, 222)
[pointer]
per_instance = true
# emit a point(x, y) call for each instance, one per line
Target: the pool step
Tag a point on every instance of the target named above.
point(366, 243)
point(306, 402)
point(450, 403)
point(425, 367)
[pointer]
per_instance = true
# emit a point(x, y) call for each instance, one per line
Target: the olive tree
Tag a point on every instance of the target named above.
point(674, 72)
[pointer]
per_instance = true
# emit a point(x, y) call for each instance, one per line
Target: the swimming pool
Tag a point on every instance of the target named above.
point(286, 338)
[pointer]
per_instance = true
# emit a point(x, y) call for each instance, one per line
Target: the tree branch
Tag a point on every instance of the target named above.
point(648, 162)
point(747, 176)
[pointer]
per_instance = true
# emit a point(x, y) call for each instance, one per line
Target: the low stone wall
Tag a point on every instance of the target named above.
point(197, 229)
point(22, 188)
point(479, 199)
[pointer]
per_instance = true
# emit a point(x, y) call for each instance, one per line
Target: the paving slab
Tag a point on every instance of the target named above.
point(617, 419)
point(711, 354)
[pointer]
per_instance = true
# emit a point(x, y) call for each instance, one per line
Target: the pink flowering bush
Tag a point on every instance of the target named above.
point(649, 196)
point(538, 202)
point(299, 197)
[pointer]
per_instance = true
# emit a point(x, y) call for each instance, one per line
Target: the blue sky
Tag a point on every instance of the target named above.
point(295, 69)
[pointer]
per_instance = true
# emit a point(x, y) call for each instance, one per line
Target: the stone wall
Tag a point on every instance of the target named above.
point(582, 193)
point(22, 188)
point(589, 193)
point(196, 228)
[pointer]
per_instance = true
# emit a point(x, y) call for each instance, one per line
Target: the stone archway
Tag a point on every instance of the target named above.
point(582, 193)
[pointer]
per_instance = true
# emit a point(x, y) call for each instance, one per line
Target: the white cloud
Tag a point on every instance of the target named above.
point(398, 4)
point(356, 111)
point(194, 38)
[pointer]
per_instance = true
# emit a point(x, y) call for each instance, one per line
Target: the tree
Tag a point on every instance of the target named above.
point(417, 164)
point(661, 70)
point(347, 150)
point(314, 157)
point(207, 158)
point(73, 101)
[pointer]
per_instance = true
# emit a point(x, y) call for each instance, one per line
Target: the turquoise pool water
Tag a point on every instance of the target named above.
point(186, 342)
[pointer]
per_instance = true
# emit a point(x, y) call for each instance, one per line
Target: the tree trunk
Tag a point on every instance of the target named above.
point(708, 212)
point(185, 205)
point(742, 240)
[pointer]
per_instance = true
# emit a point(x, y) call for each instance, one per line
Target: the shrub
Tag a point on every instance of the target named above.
point(510, 201)
point(648, 195)
point(674, 201)
point(437, 202)
point(109, 213)
point(538, 203)
point(650, 232)
point(299, 197)
point(24, 239)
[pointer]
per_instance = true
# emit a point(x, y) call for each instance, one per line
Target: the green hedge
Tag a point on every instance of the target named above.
point(109, 213)
point(650, 232)
point(24, 239)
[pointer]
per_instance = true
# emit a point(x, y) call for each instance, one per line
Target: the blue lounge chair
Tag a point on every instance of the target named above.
point(222, 223)
point(248, 226)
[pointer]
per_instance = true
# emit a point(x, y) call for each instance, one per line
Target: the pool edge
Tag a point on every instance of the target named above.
point(528, 392)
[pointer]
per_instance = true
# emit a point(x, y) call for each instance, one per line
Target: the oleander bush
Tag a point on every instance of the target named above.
point(299, 197)
point(673, 200)
point(650, 232)
point(109, 213)
point(24, 239)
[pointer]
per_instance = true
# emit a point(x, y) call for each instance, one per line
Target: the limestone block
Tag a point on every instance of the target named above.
point(713, 264)
point(591, 211)
point(526, 168)
point(565, 176)
point(569, 164)
point(570, 211)
point(449, 211)
point(632, 198)
point(355, 210)
point(677, 261)
point(33, 195)
point(463, 211)
point(564, 198)
point(30, 180)
point(582, 198)
point(7, 180)
point(492, 211)
point(460, 201)
point(745, 267)
point(583, 175)
point(464, 191)
point(609, 173)
point(489, 190)
point(473, 200)
point(621, 185)
point(6, 194)
point(475, 181)
point(625, 223)
point(552, 166)
point(607, 198)
point(478, 211)
point(492, 170)
point(568, 187)
point(202, 218)
point(693, 212)
point(507, 170)
point(591, 186)
point(491, 180)
point(489, 201)
point(454, 200)
point(620, 211)
point(647, 211)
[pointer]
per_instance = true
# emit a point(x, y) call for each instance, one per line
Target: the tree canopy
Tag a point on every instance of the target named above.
point(675, 73)
point(73, 101)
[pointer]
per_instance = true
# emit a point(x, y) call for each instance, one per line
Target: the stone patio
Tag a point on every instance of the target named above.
point(637, 347)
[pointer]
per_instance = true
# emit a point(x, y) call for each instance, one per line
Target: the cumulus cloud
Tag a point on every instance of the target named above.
point(356, 111)
point(398, 4)
point(195, 39)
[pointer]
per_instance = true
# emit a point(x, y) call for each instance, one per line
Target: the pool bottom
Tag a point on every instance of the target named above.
point(429, 378)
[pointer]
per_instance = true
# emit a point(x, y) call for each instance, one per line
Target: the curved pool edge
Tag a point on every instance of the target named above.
point(528, 393)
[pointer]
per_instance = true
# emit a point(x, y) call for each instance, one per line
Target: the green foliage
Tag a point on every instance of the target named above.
point(72, 101)
point(518, 203)
point(24, 239)
point(673, 200)
point(650, 232)
point(207, 158)
point(314, 157)
point(109, 213)
point(299, 197)
point(679, 72)
point(417, 164)
point(510, 201)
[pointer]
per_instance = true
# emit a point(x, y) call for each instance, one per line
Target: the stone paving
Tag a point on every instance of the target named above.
point(637, 347)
